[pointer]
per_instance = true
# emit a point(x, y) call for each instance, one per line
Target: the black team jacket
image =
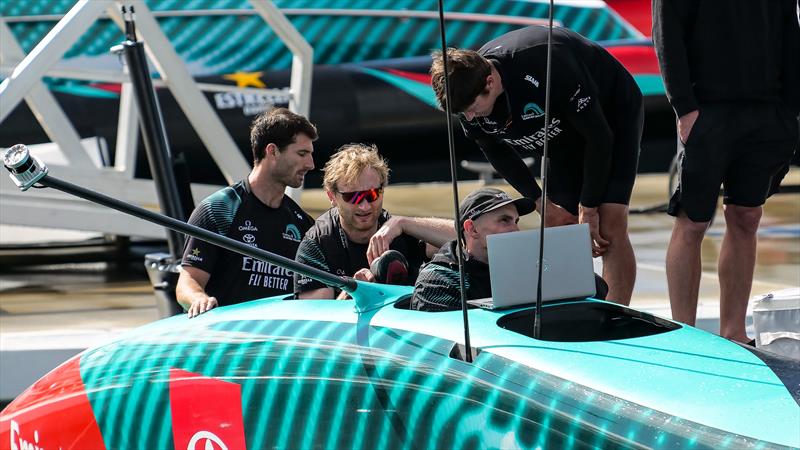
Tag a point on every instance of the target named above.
point(728, 51)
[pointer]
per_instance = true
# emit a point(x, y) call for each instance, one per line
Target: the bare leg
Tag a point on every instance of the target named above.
point(737, 260)
point(684, 268)
point(619, 262)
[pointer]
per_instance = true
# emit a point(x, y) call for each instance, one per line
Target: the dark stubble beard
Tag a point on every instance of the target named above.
point(295, 184)
point(289, 179)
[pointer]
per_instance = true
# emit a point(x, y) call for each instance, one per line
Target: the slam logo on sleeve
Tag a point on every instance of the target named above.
point(532, 80)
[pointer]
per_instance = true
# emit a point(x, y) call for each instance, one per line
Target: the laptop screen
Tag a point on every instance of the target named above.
point(513, 265)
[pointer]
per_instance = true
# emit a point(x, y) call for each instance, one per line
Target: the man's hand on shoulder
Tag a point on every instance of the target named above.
point(382, 239)
point(431, 230)
point(201, 304)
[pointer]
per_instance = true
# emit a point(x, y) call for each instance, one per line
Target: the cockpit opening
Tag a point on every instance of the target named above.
point(587, 321)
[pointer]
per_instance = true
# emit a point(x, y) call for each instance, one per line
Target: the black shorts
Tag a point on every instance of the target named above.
point(566, 177)
point(744, 147)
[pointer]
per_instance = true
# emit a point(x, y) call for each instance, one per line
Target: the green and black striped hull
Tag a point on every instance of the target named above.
point(317, 374)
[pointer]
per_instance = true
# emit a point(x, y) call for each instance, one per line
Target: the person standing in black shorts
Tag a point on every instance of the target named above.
point(594, 132)
point(349, 237)
point(255, 211)
point(732, 74)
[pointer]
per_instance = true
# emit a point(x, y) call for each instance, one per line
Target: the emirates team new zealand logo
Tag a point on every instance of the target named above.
point(531, 111)
point(292, 233)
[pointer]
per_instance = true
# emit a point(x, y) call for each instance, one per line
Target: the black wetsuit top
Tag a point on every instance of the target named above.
point(327, 247)
point(728, 51)
point(590, 90)
point(237, 213)
point(437, 287)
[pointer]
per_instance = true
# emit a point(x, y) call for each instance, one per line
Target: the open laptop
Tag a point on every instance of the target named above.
point(513, 266)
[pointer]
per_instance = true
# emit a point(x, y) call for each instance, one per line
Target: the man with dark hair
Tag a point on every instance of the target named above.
point(732, 74)
point(594, 132)
point(254, 211)
point(483, 212)
point(348, 238)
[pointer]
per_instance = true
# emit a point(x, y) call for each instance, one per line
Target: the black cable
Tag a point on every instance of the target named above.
point(537, 315)
point(133, 23)
point(451, 147)
point(345, 283)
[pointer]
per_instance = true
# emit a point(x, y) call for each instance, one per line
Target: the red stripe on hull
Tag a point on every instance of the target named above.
point(53, 413)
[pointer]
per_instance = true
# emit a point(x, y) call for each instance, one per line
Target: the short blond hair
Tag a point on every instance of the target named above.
point(350, 161)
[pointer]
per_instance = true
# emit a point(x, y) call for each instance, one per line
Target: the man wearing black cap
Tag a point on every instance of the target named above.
point(483, 212)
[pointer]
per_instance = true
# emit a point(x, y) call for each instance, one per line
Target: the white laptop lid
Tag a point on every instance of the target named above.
point(513, 265)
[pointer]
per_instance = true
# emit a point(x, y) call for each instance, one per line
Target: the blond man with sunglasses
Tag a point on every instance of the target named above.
point(347, 238)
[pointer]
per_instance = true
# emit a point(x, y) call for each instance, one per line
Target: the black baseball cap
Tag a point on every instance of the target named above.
point(486, 199)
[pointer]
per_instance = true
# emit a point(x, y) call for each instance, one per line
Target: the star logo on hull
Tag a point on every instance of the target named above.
point(246, 79)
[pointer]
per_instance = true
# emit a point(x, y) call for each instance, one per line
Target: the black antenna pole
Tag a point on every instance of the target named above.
point(128, 31)
point(451, 147)
point(164, 165)
point(28, 171)
point(132, 22)
point(537, 314)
